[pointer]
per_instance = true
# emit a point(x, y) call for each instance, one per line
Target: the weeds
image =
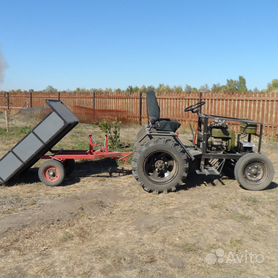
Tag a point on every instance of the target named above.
point(112, 129)
point(14, 132)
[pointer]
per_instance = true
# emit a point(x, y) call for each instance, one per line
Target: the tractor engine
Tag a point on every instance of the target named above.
point(221, 138)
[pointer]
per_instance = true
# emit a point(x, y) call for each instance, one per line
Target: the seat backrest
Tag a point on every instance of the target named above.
point(153, 108)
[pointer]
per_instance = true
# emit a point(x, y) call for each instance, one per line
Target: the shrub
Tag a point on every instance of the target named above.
point(112, 130)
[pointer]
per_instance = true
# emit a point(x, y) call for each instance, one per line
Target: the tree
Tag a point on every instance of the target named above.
point(217, 88)
point(273, 86)
point(231, 85)
point(256, 90)
point(162, 89)
point(242, 88)
point(204, 88)
point(50, 89)
point(187, 88)
point(234, 86)
point(178, 89)
point(130, 89)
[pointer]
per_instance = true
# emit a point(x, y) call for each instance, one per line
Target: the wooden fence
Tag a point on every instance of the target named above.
point(261, 107)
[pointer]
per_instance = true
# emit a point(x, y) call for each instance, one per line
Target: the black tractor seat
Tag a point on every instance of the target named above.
point(153, 109)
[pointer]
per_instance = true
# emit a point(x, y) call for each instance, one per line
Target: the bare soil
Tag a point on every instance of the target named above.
point(101, 226)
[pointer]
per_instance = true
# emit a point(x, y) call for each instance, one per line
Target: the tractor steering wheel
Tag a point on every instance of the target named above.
point(194, 108)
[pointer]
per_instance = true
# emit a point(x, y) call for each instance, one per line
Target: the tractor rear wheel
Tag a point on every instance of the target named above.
point(160, 165)
point(141, 133)
point(254, 171)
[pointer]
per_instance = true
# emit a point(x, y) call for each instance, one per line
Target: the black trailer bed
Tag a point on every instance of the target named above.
point(38, 142)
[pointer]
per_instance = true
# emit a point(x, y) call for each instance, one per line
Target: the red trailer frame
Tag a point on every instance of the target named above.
point(59, 162)
point(91, 154)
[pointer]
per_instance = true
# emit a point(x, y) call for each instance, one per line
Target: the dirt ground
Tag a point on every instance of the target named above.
point(109, 227)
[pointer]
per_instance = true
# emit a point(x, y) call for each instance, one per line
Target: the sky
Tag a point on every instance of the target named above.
point(116, 44)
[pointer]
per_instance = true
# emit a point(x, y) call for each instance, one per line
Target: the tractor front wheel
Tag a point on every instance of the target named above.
point(52, 173)
point(254, 171)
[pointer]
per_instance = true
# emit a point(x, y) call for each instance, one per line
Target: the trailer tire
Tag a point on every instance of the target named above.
point(254, 171)
point(69, 165)
point(160, 165)
point(52, 173)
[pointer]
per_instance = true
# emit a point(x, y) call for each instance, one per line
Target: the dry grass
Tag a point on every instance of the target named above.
point(101, 226)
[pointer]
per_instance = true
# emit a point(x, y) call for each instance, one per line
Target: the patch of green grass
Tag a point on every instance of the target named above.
point(14, 132)
point(67, 236)
point(81, 145)
point(240, 217)
point(236, 243)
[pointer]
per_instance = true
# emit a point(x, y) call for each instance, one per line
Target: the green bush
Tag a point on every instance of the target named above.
point(112, 130)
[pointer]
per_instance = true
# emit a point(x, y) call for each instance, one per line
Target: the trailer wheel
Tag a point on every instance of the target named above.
point(160, 165)
point(52, 173)
point(69, 165)
point(254, 171)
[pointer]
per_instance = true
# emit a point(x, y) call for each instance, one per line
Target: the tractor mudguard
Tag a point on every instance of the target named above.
point(153, 135)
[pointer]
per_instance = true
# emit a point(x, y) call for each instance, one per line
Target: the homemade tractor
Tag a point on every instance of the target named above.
point(161, 162)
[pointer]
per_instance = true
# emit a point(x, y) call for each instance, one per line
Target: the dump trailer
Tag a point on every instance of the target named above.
point(38, 142)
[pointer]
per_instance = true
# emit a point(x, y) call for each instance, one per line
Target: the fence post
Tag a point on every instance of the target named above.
point(8, 100)
point(30, 99)
point(200, 99)
point(59, 96)
point(140, 108)
point(94, 105)
point(7, 112)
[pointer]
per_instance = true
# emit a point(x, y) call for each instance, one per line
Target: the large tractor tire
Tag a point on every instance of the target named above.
point(160, 165)
point(141, 133)
point(254, 171)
